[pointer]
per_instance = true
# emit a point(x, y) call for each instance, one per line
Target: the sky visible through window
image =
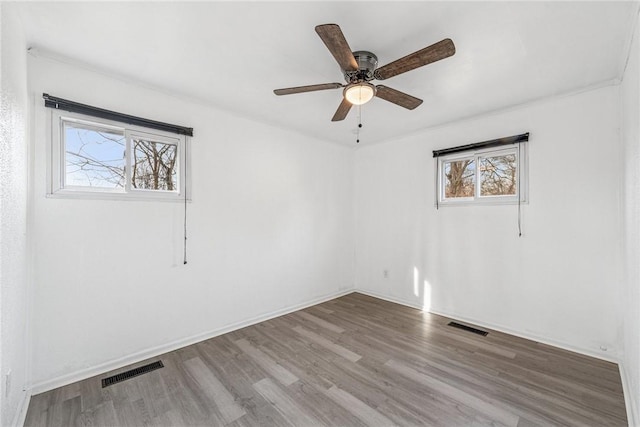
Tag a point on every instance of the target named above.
point(94, 158)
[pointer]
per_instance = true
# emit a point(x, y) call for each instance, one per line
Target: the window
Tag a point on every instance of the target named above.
point(492, 175)
point(93, 157)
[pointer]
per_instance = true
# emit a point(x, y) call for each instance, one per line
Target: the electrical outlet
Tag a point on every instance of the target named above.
point(7, 383)
point(385, 274)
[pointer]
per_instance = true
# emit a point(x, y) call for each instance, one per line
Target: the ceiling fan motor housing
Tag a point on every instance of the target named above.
point(367, 63)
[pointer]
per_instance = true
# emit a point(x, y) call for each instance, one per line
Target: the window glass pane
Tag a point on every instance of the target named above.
point(498, 175)
point(460, 178)
point(154, 165)
point(93, 157)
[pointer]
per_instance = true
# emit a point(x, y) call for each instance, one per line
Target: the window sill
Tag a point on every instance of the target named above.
point(482, 203)
point(106, 195)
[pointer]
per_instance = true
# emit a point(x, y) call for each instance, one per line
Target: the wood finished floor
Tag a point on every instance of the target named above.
point(352, 361)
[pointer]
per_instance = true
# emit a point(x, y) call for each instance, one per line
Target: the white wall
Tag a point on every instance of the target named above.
point(270, 228)
point(13, 219)
point(560, 282)
point(630, 94)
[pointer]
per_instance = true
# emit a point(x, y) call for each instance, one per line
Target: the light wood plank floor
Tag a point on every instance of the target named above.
point(352, 361)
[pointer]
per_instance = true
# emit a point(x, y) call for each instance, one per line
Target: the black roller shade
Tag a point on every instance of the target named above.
point(76, 107)
point(485, 144)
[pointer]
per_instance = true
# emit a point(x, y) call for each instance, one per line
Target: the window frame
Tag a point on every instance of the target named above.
point(57, 160)
point(520, 150)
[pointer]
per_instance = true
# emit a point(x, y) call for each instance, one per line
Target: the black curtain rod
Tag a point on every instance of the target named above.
point(485, 144)
point(76, 107)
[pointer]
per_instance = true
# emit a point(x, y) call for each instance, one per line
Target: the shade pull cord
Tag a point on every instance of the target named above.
point(184, 255)
point(437, 187)
point(519, 183)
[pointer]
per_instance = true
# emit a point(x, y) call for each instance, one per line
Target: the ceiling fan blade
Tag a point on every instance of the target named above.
point(399, 98)
point(342, 111)
point(435, 52)
point(332, 36)
point(310, 88)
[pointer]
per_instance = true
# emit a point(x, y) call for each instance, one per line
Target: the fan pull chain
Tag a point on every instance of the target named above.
point(359, 124)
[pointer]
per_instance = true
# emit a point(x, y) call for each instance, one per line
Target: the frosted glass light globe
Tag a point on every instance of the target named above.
point(359, 93)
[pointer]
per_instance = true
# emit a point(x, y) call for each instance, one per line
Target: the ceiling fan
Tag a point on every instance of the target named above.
point(360, 68)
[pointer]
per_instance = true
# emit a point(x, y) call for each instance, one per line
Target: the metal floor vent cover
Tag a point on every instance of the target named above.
point(468, 328)
point(132, 373)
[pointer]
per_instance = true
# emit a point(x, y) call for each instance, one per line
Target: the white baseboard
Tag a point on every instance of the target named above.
point(21, 414)
point(496, 327)
point(391, 299)
point(633, 418)
point(111, 365)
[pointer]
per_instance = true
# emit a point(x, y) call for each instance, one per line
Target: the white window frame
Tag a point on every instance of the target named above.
point(519, 150)
point(56, 186)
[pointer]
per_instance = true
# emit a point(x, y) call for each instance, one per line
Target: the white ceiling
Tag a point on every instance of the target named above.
point(233, 54)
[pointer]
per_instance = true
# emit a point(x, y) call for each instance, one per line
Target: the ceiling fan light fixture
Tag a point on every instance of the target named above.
point(359, 93)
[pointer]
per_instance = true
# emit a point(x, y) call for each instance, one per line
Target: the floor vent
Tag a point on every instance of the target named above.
point(468, 328)
point(132, 373)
